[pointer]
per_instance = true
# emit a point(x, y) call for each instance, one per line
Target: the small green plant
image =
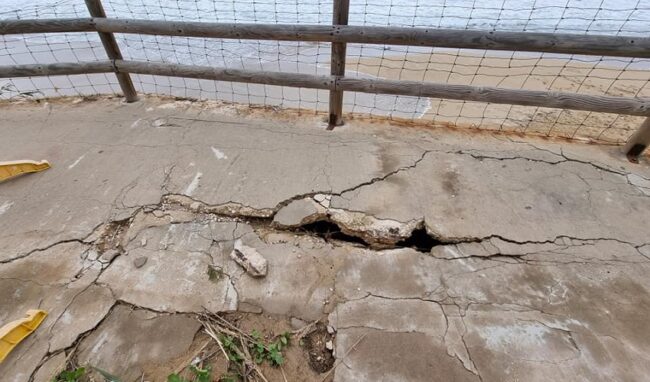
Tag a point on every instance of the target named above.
point(231, 346)
point(271, 352)
point(200, 375)
point(175, 378)
point(76, 375)
point(70, 375)
point(215, 274)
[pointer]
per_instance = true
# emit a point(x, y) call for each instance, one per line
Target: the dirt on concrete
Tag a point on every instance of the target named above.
point(205, 353)
point(321, 358)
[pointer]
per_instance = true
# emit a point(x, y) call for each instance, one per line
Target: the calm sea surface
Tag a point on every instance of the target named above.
point(628, 17)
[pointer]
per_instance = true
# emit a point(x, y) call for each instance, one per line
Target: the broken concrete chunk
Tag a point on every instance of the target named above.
point(323, 199)
point(139, 262)
point(129, 340)
point(330, 329)
point(109, 255)
point(90, 255)
point(371, 229)
point(329, 345)
point(251, 260)
point(298, 212)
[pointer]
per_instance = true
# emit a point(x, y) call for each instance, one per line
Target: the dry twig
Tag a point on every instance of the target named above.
point(305, 330)
point(214, 327)
point(196, 353)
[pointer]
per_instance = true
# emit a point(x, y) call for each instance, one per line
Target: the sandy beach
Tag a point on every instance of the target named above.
point(585, 75)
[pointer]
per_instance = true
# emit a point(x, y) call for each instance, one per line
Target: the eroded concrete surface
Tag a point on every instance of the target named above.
point(536, 267)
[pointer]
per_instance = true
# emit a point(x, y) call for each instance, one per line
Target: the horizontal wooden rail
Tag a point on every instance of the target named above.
point(171, 70)
point(46, 26)
point(604, 104)
point(561, 100)
point(624, 46)
point(219, 74)
point(58, 69)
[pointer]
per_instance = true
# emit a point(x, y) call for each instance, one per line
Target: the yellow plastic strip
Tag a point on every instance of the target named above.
point(16, 331)
point(19, 167)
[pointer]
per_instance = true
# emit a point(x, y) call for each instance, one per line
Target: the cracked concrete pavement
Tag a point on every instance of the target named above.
point(534, 268)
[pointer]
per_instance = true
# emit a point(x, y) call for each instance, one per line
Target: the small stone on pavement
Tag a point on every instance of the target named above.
point(251, 260)
point(140, 261)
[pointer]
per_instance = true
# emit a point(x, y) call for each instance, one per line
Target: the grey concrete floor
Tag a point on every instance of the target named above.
point(458, 255)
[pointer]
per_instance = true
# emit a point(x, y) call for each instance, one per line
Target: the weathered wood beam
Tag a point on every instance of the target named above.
point(58, 69)
point(112, 50)
point(563, 100)
point(46, 26)
point(430, 37)
point(638, 142)
point(337, 63)
point(623, 46)
point(233, 75)
point(551, 99)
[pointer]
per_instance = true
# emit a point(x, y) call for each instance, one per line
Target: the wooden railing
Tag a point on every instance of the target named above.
point(339, 34)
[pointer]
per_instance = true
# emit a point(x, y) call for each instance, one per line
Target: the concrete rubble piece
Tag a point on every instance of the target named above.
point(248, 257)
point(428, 255)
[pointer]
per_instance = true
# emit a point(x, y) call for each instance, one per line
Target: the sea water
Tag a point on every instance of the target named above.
point(609, 17)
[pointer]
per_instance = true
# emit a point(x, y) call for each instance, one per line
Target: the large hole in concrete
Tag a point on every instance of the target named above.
point(420, 240)
point(330, 231)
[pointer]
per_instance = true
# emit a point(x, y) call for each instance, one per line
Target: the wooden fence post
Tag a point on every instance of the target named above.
point(339, 17)
point(113, 51)
point(638, 142)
